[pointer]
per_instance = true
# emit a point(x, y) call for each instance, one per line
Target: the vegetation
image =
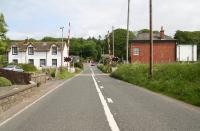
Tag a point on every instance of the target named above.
point(181, 81)
point(4, 82)
point(187, 37)
point(78, 65)
point(104, 68)
point(64, 74)
point(3, 40)
point(28, 67)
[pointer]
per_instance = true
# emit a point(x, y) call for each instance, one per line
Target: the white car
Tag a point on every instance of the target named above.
point(13, 68)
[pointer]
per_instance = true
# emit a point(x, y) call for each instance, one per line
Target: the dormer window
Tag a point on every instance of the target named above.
point(14, 50)
point(54, 50)
point(30, 51)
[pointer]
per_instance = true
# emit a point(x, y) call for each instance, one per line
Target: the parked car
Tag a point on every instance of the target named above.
point(13, 68)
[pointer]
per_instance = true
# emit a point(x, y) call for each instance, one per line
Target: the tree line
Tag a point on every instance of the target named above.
point(93, 48)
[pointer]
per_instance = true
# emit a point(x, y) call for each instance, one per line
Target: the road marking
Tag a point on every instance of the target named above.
point(36, 101)
point(99, 81)
point(101, 87)
point(110, 100)
point(111, 121)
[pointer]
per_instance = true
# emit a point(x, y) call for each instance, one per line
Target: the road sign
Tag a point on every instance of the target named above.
point(67, 59)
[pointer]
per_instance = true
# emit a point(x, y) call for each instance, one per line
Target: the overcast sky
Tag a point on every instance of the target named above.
point(39, 18)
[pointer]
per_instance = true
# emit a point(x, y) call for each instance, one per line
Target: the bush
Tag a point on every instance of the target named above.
point(4, 82)
point(181, 81)
point(64, 74)
point(104, 68)
point(78, 65)
point(28, 67)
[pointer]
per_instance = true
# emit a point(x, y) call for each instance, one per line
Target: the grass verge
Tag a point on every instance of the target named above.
point(64, 74)
point(181, 81)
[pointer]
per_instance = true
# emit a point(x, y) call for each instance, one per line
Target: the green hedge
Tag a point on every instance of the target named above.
point(28, 67)
point(4, 82)
point(78, 65)
point(181, 81)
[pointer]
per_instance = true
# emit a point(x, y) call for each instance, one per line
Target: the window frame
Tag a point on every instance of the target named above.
point(30, 62)
point(54, 50)
point(53, 60)
point(29, 51)
point(15, 61)
point(136, 51)
point(41, 65)
point(13, 51)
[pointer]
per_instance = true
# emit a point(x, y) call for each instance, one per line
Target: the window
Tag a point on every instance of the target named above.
point(15, 61)
point(136, 51)
point(14, 51)
point(42, 62)
point(31, 61)
point(54, 62)
point(30, 51)
point(54, 50)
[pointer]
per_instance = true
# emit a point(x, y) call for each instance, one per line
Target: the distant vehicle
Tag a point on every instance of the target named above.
point(92, 64)
point(13, 68)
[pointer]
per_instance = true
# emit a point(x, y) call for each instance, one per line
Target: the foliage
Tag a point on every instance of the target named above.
point(79, 65)
point(4, 82)
point(181, 81)
point(64, 74)
point(28, 67)
point(147, 31)
point(120, 42)
point(187, 37)
point(104, 68)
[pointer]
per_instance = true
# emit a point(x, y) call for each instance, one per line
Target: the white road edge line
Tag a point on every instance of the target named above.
point(111, 121)
point(110, 100)
point(37, 100)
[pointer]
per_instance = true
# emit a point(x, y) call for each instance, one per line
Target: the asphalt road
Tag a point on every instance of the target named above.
point(92, 101)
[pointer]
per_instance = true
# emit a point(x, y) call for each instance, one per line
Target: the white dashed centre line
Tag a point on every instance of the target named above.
point(101, 87)
point(110, 100)
point(111, 121)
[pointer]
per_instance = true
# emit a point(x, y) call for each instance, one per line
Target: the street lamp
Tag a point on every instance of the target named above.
point(127, 37)
point(62, 28)
point(151, 39)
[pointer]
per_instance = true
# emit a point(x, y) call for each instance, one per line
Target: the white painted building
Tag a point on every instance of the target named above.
point(186, 53)
point(40, 54)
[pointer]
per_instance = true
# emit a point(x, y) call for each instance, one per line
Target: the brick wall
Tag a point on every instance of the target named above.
point(164, 52)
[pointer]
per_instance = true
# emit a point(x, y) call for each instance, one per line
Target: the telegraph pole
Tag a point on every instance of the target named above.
point(151, 39)
point(127, 38)
point(62, 48)
point(113, 36)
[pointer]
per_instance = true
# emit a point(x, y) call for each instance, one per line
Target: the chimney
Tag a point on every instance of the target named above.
point(162, 33)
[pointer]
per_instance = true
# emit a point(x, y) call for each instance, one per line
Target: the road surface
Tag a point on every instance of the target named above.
point(92, 101)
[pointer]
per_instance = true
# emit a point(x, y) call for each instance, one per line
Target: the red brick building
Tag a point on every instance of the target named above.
point(164, 48)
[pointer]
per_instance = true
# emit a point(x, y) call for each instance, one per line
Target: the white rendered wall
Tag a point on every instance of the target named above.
point(186, 53)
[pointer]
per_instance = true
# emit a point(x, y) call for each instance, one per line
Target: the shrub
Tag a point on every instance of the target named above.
point(79, 65)
point(104, 68)
point(4, 82)
point(28, 67)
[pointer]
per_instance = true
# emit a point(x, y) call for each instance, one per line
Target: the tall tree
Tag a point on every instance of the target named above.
point(3, 30)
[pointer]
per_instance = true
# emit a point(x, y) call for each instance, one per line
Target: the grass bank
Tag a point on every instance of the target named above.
point(64, 74)
point(181, 81)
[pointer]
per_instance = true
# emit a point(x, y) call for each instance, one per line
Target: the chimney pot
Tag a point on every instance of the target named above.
point(162, 33)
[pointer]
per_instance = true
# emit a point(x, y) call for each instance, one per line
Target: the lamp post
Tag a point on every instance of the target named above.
point(151, 39)
point(127, 37)
point(62, 28)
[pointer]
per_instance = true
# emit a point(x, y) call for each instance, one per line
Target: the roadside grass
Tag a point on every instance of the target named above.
point(64, 74)
point(4, 82)
point(181, 81)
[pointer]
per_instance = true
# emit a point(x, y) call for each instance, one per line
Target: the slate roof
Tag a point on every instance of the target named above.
point(156, 36)
point(38, 46)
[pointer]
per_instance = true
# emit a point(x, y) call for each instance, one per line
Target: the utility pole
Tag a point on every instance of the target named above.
point(108, 40)
point(113, 36)
point(62, 48)
point(151, 39)
point(127, 38)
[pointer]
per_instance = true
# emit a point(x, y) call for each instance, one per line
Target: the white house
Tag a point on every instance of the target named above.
point(186, 52)
point(40, 54)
